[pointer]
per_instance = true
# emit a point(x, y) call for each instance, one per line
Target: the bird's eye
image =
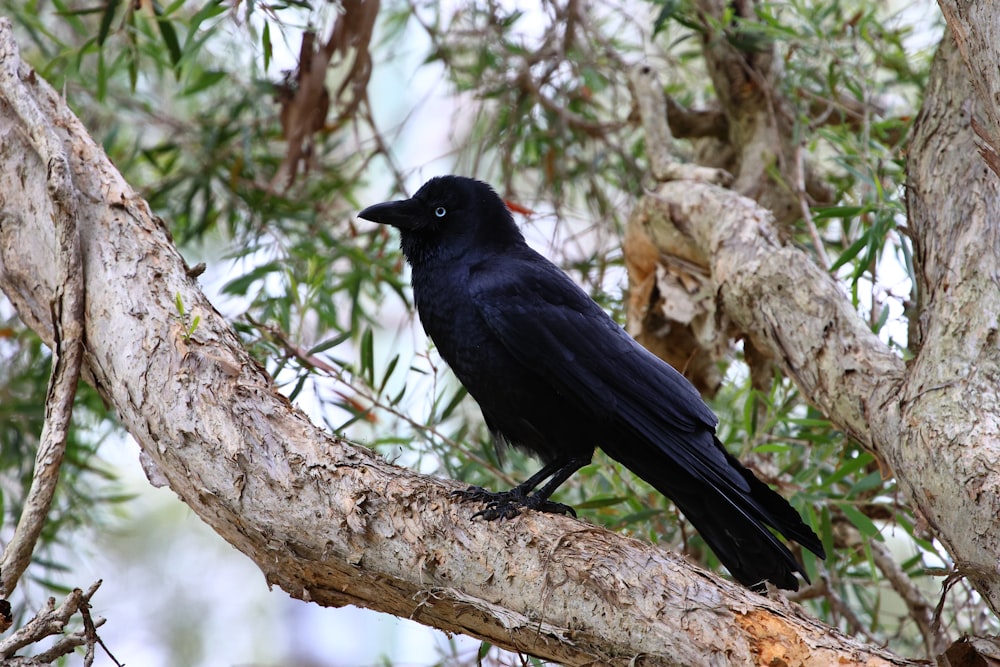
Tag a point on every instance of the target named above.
point(440, 211)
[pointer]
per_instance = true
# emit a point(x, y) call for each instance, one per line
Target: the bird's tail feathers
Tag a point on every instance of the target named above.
point(733, 520)
point(778, 513)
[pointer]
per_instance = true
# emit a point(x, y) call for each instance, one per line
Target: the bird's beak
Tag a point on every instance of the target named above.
point(403, 214)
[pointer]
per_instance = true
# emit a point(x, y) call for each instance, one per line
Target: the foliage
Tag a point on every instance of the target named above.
point(189, 99)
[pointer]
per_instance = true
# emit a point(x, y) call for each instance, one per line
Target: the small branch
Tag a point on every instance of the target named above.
point(653, 109)
point(67, 310)
point(688, 123)
point(800, 190)
point(313, 362)
point(842, 609)
point(936, 639)
point(592, 128)
point(50, 621)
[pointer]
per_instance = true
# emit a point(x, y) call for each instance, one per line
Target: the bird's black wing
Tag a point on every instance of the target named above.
point(550, 325)
point(657, 424)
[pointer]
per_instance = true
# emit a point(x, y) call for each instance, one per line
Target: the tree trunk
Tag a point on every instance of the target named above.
point(935, 422)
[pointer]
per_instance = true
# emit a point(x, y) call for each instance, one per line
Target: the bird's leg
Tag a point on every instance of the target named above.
point(508, 504)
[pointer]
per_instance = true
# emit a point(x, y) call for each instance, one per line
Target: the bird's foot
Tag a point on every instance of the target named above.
point(508, 504)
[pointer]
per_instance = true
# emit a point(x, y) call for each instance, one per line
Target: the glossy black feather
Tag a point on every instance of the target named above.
point(556, 376)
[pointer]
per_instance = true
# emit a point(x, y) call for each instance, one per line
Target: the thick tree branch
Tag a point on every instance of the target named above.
point(976, 29)
point(787, 305)
point(946, 457)
point(935, 423)
point(333, 523)
point(66, 316)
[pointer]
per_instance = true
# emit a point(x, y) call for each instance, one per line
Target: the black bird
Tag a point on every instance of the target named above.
point(554, 375)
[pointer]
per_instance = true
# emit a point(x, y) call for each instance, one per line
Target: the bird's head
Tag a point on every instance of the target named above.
point(447, 216)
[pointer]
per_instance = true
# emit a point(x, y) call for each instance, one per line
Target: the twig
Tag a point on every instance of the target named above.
point(315, 363)
point(936, 639)
point(840, 607)
point(800, 191)
point(67, 314)
point(49, 621)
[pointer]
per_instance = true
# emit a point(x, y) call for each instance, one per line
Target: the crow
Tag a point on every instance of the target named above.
point(555, 376)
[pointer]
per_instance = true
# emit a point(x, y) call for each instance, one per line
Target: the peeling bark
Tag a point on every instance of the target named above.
point(949, 443)
point(333, 523)
point(936, 422)
point(976, 30)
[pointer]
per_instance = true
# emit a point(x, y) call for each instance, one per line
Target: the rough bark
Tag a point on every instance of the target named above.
point(976, 29)
point(935, 422)
point(326, 521)
point(945, 457)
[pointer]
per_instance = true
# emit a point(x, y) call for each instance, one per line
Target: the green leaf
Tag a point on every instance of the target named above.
point(456, 398)
point(824, 212)
point(598, 502)
point(206, 79)
point(329, 343)
point(667, 11)
point(860, 521)
point(368, 357)
point(388, 373)
point(265, 42)
point(169, 36)
point(872, 480)
point(106, 18)
point(852, 251)
point(848, 467)
point(772, 448)
point(882, 319)
point(240, 285)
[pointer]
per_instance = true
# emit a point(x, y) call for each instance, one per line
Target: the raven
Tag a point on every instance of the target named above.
point(554, 375)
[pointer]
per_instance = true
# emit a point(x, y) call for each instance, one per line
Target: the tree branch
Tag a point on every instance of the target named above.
point(333, 523)
point(919, 419)
point(66, 308)
point(950, 406)
point(50, 621)
point(789, 306)
point(976, 30)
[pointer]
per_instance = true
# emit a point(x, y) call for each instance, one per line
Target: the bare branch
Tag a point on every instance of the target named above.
point(51, 620)
point(935, 637)
point(653, 109)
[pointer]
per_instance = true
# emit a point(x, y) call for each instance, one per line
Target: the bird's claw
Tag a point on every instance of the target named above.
point(508, 504)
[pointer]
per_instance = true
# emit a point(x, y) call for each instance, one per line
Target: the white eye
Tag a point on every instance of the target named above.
point(440, 211)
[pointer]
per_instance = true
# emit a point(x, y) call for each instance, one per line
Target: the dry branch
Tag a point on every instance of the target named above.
point(49, 621)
